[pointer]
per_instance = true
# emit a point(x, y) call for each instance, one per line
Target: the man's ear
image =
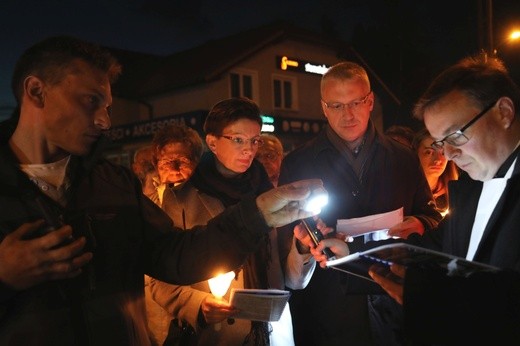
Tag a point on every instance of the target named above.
point(33, 90)
point(324, 109)
point(371, 99)
point(211, 141)
point(506, 108)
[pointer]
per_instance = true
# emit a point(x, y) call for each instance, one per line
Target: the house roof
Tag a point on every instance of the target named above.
point(146, 75)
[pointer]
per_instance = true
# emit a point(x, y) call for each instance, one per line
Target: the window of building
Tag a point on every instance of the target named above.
point(244, 83)
point(284, 93)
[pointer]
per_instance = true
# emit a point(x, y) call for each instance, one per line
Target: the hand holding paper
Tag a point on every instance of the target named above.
point(259, 304)
point(410, 225)
point(216, 310)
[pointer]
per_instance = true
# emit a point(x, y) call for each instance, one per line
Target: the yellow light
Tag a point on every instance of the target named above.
point(515, 35)
point(220, 284)
point(286, 62)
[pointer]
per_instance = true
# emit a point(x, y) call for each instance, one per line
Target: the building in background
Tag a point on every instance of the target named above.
point(277, 66)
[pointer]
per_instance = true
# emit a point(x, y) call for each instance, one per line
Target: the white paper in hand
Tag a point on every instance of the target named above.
point(368, 224)
point(259, 305)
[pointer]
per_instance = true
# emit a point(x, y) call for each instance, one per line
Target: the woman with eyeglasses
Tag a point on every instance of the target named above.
point(224, 175)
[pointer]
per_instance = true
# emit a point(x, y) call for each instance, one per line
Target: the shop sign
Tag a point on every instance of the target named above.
point(286, 63)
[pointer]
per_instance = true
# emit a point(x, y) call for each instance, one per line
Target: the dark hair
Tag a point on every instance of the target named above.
point(400, 131)
point(228, 111)
point(175, 133)
point(50, 58)
point(451, 171)
point(482, 79)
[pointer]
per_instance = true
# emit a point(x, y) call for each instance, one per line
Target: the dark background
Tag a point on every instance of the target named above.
point(406, 42)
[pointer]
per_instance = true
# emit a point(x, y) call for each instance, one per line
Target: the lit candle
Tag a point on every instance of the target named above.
point(219, 286)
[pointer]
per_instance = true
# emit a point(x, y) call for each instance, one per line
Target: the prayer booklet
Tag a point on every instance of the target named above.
point(405, 254)
point(259, 305)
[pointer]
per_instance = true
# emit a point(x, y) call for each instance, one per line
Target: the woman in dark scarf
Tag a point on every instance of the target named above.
point(224, 175)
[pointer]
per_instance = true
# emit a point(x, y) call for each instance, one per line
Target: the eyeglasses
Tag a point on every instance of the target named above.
point(458, 138)
point(353, 105)
point(240, 141)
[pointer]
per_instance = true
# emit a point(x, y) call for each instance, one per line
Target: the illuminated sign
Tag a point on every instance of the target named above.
point(146, 129)
point(291, 64)
point(267, 128)
point(286, 63)
point(267, 119)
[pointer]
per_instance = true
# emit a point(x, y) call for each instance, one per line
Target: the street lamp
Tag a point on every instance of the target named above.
point(512, 37)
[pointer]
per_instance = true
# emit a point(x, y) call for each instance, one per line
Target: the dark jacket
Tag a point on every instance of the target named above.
point(392, 178)
point(484, 308)
point(129, 236)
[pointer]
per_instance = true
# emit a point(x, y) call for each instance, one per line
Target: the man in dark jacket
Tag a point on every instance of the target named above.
point(365, 173)
point(76, 277)
point(472, 109)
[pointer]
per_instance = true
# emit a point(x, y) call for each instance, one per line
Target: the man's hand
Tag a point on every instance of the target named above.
point(409, 225)
point(337, 245)
point(285, 204)
point(25, 263)
point(387, 280)
point(216, 310)
point(301, 234)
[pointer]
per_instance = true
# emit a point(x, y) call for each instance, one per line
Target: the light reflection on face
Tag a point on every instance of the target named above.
point(237, 158)
point(174, 163)
point(349, 123)
point(76, 111)
point(432, 160)
point(483, 154)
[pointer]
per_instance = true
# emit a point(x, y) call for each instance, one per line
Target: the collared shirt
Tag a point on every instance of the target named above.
point(492, 190)
point(356, 161)
point(51, 178)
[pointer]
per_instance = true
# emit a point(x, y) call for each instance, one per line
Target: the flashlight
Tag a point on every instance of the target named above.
point(318, 199)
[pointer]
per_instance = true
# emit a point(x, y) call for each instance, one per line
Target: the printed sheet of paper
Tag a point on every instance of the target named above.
point(372, 223)
point(259, 305)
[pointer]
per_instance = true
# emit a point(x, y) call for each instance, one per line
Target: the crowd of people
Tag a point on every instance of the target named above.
point(93, 253)
point(77, 233)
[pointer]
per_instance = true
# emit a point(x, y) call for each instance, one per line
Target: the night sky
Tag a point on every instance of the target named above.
point(392, 35)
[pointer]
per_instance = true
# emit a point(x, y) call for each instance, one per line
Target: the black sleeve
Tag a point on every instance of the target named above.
point(179, 257)
point(484, 307)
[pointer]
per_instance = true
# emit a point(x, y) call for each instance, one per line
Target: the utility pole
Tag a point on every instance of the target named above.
point(485, 27)
point(489, 12)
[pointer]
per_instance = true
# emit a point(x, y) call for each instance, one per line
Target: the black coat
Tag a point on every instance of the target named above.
point(484, 308)
point(129, 236)
point(333, 308)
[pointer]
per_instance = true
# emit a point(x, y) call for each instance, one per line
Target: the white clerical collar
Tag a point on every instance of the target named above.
point(491, 192)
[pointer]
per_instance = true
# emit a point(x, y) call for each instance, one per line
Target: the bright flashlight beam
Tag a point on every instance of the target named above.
point(318, 200)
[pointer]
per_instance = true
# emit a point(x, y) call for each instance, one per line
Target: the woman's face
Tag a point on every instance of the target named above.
point(174, 163)
point(432, 160)
point(236, 148)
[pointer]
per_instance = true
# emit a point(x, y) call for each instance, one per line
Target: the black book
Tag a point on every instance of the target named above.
point(404, 254)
